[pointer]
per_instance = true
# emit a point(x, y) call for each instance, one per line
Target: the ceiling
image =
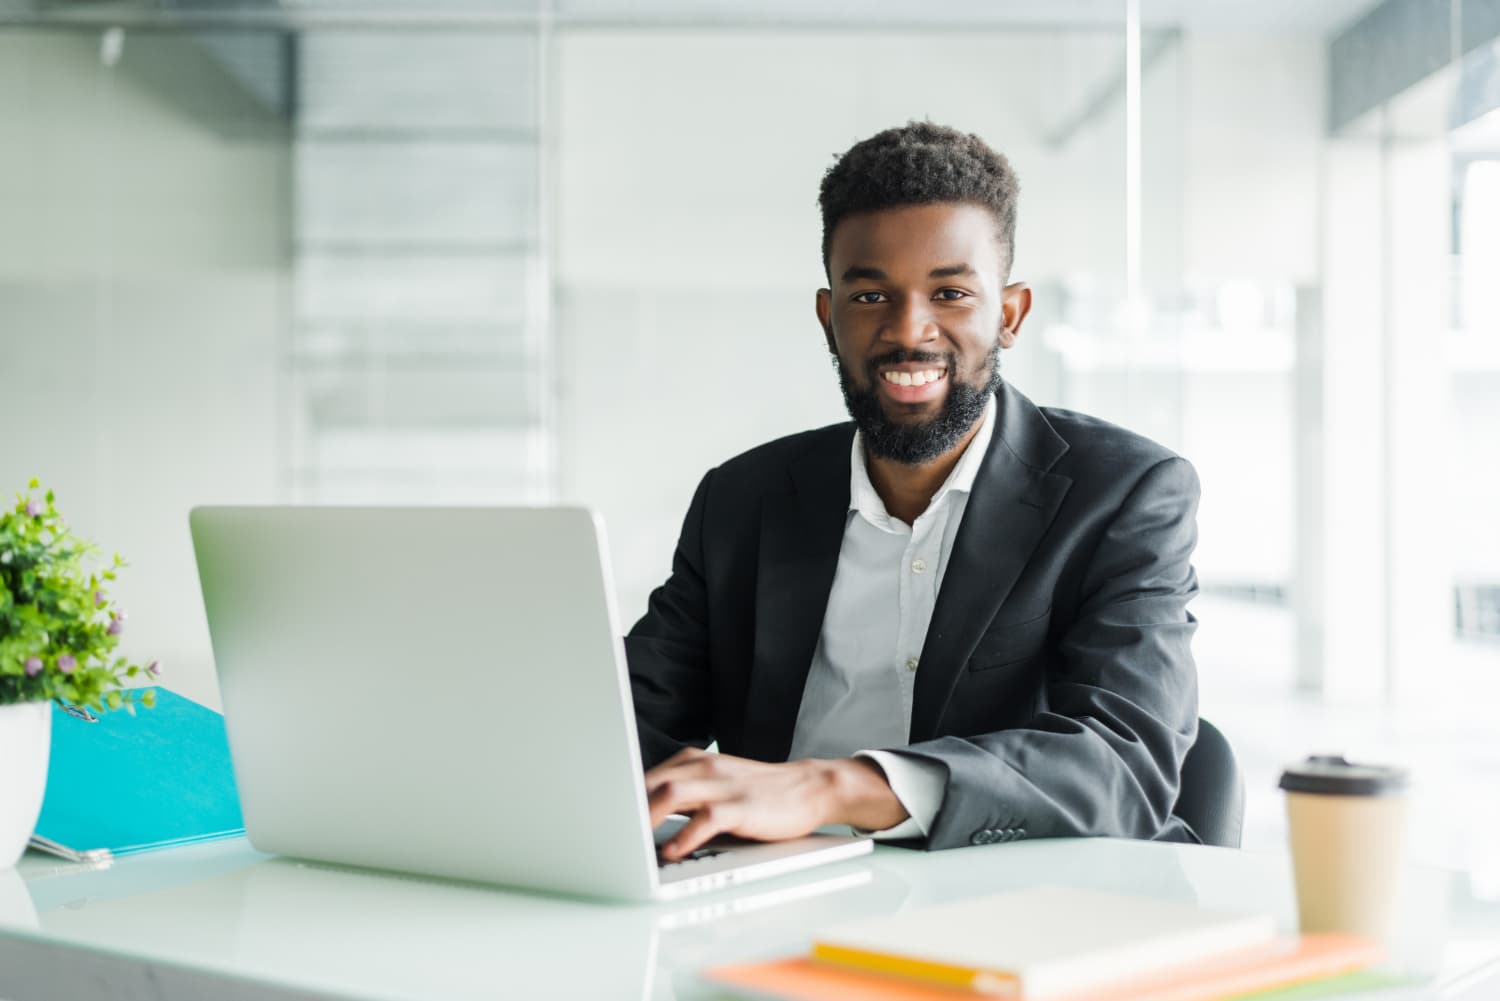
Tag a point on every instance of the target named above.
point(1319, 16)
point(1316, 17)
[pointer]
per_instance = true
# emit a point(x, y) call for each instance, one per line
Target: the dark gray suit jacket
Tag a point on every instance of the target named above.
point(1057, 687)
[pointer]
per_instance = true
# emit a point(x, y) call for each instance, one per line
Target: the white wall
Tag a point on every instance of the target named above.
point(142, 272)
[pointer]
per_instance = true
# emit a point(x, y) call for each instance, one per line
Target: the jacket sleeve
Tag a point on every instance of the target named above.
point(667, 650)
point(1120, 707)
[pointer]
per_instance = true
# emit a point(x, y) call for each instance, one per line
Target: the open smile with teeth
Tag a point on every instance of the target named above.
point(920, 378)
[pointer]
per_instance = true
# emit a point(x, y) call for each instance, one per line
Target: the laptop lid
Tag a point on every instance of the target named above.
point(434, 690)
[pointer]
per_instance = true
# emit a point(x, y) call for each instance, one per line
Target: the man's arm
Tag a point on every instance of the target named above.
point(668, 650)
point(1103, 757)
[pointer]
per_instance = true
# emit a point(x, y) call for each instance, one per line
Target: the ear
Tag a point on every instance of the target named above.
point(824, 307)
point(1015, 303)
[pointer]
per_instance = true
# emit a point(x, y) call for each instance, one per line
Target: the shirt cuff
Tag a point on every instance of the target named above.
point(917, 784)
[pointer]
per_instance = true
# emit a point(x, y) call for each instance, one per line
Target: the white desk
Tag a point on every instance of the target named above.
point(223, 921)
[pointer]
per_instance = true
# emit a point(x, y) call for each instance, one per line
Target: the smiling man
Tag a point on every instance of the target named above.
point(958, 619)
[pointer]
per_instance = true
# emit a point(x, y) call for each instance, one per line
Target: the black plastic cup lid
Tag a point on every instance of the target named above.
point(1334, 775)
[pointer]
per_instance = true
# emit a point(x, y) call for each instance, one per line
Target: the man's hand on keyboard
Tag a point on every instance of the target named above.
point(723, 794)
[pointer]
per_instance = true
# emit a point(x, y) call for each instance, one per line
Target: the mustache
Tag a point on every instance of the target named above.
point(901, 355)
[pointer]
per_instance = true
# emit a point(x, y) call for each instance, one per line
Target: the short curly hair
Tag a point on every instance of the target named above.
point(921, 163)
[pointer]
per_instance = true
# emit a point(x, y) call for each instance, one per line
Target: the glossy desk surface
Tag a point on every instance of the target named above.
point(222, 920)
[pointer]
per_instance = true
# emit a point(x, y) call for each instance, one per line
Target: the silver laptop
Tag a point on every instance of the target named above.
point(443, 691)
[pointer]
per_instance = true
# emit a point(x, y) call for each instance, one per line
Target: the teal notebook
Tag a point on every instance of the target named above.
point(125, 784)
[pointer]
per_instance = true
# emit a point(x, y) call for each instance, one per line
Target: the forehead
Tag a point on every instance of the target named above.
point(917, 237)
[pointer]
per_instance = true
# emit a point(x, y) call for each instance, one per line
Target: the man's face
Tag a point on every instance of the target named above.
point(916, 319)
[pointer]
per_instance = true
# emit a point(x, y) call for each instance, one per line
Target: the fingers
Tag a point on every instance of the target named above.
point(689, 763)
point(686, 756)
point(683, 795)
point(703, 785)
point(707, 823)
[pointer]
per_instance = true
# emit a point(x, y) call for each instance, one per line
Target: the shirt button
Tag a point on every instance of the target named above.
point(911, 663)
point(918, 566)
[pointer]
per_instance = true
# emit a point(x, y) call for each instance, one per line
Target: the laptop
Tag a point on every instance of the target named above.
point(443, 691)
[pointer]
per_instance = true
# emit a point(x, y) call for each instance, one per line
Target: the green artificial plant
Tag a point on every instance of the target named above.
point(58, 626)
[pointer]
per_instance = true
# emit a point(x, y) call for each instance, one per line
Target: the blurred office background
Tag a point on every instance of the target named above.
point(503, 251)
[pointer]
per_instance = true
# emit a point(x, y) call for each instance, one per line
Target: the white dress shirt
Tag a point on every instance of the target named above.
point(864, 670)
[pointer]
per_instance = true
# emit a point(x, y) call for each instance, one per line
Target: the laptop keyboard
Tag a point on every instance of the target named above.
point(701, 855)
point(720, 845)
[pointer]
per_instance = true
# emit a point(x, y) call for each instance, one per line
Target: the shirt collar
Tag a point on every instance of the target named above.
point(864, 499)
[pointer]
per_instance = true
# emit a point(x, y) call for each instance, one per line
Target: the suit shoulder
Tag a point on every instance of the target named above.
point(762, 462)
point(1094, 442)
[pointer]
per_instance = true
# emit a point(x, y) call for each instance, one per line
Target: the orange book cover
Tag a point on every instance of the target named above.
point(1246, 971)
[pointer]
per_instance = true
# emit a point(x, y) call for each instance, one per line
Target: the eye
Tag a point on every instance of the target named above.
point(869, 298)
point(951, 294)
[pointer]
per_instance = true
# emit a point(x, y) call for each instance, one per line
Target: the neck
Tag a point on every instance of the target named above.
point(906, 490)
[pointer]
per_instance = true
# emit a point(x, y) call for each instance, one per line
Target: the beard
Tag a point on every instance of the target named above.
point(916, 442)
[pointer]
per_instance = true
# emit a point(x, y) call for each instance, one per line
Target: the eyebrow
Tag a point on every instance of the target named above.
point(951, 271)
point(859, 272)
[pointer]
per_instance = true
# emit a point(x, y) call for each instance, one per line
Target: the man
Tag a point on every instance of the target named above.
point(959, 619)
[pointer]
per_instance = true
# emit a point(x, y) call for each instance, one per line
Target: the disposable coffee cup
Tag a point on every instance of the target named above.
point(1348, 830)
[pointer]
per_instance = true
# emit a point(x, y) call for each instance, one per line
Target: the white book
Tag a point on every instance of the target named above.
point(1040, 943)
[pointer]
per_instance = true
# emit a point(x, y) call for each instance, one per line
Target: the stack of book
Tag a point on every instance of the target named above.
point(1058, 944)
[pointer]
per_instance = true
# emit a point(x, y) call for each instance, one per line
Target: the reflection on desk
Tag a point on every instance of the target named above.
point(197, 921)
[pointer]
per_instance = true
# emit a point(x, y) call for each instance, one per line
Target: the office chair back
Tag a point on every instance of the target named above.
point(1211, 796)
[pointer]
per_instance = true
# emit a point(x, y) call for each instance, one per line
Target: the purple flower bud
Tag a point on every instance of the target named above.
point(67, 663)
point(116, 627)
point(98, 598)
point(33, 666)
point(154, 668)
point(33, 509)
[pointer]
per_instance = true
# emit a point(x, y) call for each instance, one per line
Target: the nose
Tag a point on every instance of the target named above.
point(912, 324)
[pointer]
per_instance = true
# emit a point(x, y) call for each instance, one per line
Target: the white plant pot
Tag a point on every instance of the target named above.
point(25, 743)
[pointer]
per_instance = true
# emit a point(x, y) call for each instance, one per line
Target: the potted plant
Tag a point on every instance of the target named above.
point(58, 633)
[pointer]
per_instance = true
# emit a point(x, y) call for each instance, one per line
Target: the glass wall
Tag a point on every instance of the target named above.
point(415, 359)
point(248, 259)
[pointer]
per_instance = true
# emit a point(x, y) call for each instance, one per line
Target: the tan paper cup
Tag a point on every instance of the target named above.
point(1348, 827)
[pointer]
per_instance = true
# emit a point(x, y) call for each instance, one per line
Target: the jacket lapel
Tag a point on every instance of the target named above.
point(801, 533)
point(1013, 501)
